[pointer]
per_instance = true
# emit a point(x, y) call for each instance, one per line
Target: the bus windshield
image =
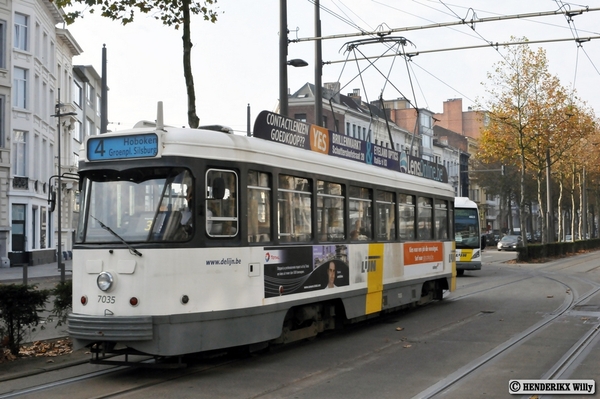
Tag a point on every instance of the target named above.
point(466, 226)
point(136, 205)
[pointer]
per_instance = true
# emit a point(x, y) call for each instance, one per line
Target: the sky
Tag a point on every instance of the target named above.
point(236, 60)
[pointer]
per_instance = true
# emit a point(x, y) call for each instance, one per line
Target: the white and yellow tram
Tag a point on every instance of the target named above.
point(192, 240)
point(467, 235)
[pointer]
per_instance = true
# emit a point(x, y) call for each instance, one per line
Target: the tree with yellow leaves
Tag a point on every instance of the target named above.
point(529, 122)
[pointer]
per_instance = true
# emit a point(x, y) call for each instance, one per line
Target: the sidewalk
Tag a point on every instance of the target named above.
point(35, 274)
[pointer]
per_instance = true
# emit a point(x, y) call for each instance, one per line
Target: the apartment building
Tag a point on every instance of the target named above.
point(36, 73)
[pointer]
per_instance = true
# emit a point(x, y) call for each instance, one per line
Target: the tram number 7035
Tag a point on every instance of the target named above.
point(106, 299)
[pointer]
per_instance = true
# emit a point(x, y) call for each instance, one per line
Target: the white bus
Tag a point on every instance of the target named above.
point(467, 235)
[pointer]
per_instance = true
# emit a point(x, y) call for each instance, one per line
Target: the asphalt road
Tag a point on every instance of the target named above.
point(508, 321)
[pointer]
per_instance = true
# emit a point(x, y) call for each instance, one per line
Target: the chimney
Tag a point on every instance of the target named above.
point(355, 95)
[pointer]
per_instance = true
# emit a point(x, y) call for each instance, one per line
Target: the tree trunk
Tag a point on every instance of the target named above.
point(573, 204)
point(522, 224)
point(193, 119)
point(542, 210)
point(561, 216)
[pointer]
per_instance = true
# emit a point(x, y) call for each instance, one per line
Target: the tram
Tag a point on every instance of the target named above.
point(192, 240)
point(467, 234)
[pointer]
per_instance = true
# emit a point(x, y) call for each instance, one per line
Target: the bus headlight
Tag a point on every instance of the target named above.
point(105, 281)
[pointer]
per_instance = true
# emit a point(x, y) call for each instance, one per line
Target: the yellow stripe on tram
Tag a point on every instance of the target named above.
point(453, 258)
point(375, 279)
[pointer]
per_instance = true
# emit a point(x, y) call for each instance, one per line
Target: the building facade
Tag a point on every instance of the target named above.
point(350, 115)
point(38, 66)
point(6, 17)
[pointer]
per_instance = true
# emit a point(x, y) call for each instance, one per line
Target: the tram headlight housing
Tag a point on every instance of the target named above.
point(105, 281)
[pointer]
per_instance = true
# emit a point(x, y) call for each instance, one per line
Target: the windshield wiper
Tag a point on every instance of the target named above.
point(105, 227)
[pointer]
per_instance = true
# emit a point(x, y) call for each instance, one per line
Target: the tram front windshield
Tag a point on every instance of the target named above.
point(136, 205)
point(466, 227)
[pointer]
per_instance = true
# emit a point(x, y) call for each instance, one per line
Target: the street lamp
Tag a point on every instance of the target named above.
point(297, 62)
point(58, 114)
point(283, 84)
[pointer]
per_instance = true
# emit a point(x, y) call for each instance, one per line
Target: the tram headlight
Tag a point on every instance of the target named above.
point(105, 281)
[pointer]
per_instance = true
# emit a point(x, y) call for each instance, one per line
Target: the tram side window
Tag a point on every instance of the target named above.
point(259, 206)
point(294, 208)
point(441, 219)
point(425, 218)
point(330, 211)
point(361, 213)
point(406, 215)
point(386, 216)
point(221, 203)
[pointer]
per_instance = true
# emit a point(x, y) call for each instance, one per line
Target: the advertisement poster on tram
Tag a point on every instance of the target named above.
point(292, 270)
point(423, 257)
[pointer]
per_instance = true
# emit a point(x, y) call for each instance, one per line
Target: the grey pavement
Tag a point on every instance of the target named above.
point(35, 274)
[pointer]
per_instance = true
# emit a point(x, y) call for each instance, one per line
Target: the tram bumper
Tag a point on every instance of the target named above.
point(86, 330)
point(468, 265)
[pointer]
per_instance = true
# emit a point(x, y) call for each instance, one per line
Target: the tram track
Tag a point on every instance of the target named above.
point(557, 371)
point(114, 372)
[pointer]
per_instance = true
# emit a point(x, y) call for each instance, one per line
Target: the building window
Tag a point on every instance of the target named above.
point(20, 88)
point(51, 63)
point(78, 131)
point(20, 153)
point(43, 227)
point(89, 127)
point(46, 167)
point(425, 120)
point(300, 117)
point(21, 34)
point(2, 44)
point(77, 94)
point(89, 95)
point(2, 123)
point(45, 49)
point(98, 105)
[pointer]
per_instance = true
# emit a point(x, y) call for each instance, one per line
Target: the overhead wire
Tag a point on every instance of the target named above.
point(347, 19)
point(578, 40)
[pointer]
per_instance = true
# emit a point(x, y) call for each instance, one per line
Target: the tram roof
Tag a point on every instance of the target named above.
point(218, 145)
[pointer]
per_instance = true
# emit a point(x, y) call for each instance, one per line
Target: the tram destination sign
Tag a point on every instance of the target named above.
point(102, 148)
point(274, 127)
